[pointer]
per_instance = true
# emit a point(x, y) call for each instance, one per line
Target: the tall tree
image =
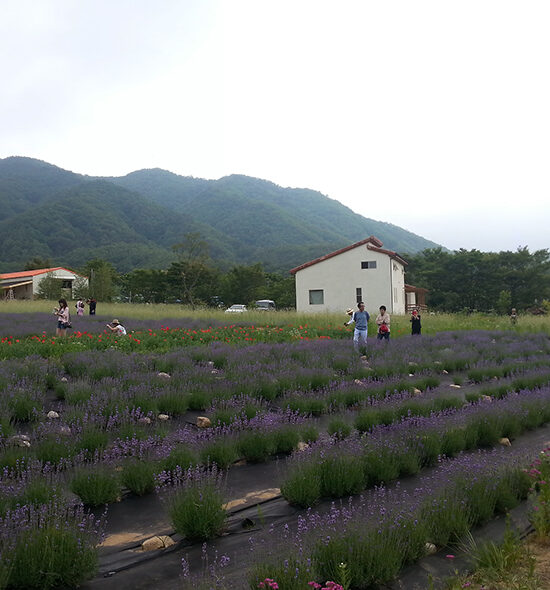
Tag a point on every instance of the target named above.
point(244, 284)
point(102, 278)
point(193, 266)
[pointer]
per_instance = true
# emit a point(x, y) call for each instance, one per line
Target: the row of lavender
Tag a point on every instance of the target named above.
point(103, 427)
point(361, 544)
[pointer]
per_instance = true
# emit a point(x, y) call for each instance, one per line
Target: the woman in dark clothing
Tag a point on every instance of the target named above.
point(416, 326)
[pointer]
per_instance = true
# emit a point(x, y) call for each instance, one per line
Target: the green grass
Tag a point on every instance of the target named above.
point(431, 324)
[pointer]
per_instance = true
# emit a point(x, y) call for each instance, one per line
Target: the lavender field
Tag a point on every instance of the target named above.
point(241, 454)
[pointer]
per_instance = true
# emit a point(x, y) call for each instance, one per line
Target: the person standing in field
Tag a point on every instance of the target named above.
point(383, 323)
point(63, 318)
point(80, 307)
point(514, 316)
point(360, 317)
point(416, 326)
point(92, 305)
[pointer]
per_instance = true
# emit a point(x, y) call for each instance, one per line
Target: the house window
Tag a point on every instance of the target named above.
point(316, 297)
point(66, 284)
point(368, 264)
point(359, 294)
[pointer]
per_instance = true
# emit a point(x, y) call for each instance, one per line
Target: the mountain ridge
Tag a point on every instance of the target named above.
point(134, 220)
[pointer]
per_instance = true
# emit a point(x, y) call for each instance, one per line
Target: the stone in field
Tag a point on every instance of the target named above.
point(203, 422)
point(302, 446)
point(163, 417)
point(64, 380)
point(163, 375)
point(445, 372)
point(486, 398)
point(52, 415)
point(417, 391)
point(65, 431)
point(505, 442)
point(430, 548)
point(359, 382)
point(20, 440)
point(157, 542)
point(145, 420)
point(455, 385)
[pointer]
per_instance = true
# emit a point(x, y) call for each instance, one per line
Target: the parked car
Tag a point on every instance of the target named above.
point(265, 305)
point(236, 308)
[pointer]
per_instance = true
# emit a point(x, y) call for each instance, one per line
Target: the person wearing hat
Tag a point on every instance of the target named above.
point(117, 328)
point(360, 318)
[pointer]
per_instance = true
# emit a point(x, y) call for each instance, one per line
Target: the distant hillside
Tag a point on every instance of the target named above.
point(134, 220)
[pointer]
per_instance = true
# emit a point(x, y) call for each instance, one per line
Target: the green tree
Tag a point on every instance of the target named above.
point(504, 303)
point(102, 279)
point(281, 289)
point(243, 284)
point(50, 287)
point(150, 286)
point(192, 269)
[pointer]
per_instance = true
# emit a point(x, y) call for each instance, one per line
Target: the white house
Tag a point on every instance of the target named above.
point(25, 284)
point(363, 271)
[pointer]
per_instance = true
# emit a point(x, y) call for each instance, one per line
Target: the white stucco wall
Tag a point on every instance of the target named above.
point(340, 276)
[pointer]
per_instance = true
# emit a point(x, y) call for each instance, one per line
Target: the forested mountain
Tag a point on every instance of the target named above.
point(134, 221)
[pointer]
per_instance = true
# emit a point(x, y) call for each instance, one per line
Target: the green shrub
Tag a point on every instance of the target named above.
point(180, 456)
point(220, 452)
point(92, 440)
point(52, 450)
point(256, 446)
point(198, 400)
point(15, 458)
point(23, 408)
point(51, 557)
point(139, 476)
point(174, 403)
point(341, 476)
point(339, 428)
point(197, 512)
point(286, 439)
point(302, 485)
point(96, 488)
point(309, 434)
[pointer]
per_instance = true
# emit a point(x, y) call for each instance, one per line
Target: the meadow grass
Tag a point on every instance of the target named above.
point(400, 325)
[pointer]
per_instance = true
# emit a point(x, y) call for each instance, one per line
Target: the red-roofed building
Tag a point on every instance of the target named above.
point(363, 271)
point(25, 284)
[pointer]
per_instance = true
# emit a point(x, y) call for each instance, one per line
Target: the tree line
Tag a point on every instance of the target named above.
point(468, 280)
point(463, 280)
point(194, 280)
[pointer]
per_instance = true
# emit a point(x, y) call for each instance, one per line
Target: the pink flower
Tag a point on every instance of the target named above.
point(450, 556)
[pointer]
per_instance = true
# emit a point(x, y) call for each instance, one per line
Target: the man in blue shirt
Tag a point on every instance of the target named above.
point(360, 318)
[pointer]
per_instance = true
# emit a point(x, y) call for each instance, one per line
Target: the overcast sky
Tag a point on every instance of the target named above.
point(432, 115)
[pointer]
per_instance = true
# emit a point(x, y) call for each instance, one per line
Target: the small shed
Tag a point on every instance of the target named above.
point(25, 284)
point(416, 298)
